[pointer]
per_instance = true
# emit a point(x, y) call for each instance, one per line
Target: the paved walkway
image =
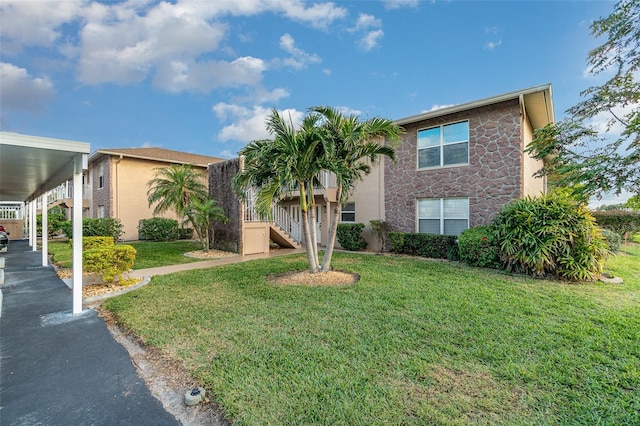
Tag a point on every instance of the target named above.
point(62, 369)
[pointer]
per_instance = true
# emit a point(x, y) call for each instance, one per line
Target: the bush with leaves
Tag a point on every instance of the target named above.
point(551, 234)
point(381, 230)
point(620, 221)
point(55, 218)
point(158, 229)
point(613, 239)
point(396, 239)
point(92, 227)
point(110, 261)
point(350, 236)
point(478, 247)
point(90, 243)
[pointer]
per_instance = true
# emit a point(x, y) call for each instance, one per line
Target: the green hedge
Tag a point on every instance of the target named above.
point(478, 247)
point(425, 245)
point(158, 229)
point(90, 243)
point(185, 233)
point(620, 221)
point(92, 227)
point(110, 261)
point(349, 236)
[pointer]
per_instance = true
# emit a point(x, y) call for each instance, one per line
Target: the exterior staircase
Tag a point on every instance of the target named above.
point(283, 229)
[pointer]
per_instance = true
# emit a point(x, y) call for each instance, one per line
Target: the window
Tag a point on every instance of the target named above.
point(101, 175)
point(348, 212)
point(100, 212)
point(449, 216)
point(445, 145)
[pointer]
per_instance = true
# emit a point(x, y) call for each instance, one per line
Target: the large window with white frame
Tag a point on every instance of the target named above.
point(444, 145)
point(101, 175)
point(448, 216)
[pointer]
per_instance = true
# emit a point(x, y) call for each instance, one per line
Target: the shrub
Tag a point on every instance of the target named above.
point(90, 243)
point(350, 236)
point(110, 261)
point(381, 230)
point(397, 242)
point(613, 239)
point(619, 221)
point(158, 229)
point(478, 247)
point(431, 245)
point(55, 220)
point(551, 234)
point(92, 227)
point(185, 233)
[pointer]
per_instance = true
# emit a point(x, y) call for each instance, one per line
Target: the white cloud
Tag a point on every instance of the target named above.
point(492, 44)
point(437, 107)
point(36, 23)
point(326, 71)
point(396, 4)
point(366, 21)
point(227, 154)
point(605, 124)
point(371, 40)
point(348, 111)
point(177, 76)
point(22, 91)
point(299, 58)
point(248, 124)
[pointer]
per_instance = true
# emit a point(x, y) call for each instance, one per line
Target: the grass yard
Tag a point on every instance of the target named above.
point(413, 342)
point(150, 253)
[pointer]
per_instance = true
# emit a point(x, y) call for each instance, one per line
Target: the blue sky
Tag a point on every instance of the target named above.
point(200, 76)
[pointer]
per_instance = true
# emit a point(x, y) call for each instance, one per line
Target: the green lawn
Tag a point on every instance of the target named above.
point(150, 254)
point(413, 342)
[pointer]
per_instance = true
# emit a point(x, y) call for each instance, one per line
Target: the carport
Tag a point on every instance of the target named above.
point(32, 165)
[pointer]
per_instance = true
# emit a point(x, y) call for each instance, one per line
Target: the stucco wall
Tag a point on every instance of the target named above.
point(227, 236)
point(369, 199)
point(491, 179)
point(533, 186)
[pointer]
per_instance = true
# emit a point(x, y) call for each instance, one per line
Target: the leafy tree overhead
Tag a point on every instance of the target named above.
point(584, 157)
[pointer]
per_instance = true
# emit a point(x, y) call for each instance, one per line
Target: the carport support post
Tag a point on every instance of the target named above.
point(45, 229)
point(33, 235)
point(78, 165)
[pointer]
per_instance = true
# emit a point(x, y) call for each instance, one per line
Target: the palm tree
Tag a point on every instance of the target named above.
point(175, 188)
point(204, 213)
point(352, 147)
point(289, 162)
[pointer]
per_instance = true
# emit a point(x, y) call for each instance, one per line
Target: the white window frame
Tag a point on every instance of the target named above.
point(441, 218)
point(441, 146)
point(101, 175)
point(342, 211)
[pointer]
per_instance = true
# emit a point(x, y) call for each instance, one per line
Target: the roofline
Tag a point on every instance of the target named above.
point(101, 152)
point(479, 103)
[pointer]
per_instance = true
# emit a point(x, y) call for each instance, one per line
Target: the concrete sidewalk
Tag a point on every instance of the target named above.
point(57, 368)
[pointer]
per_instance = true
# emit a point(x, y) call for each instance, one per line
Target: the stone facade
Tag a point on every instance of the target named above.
point(227, 236)
point(492, 178)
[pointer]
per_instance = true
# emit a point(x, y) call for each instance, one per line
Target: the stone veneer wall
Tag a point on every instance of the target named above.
point(228, 236)
point(491, 179)
point(101, 196)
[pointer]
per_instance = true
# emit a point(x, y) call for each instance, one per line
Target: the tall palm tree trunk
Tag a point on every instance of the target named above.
point(333, 230)
point(312, 258)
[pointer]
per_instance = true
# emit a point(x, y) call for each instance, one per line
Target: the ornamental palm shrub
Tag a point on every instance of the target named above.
point(478, 247)
point(551, 234)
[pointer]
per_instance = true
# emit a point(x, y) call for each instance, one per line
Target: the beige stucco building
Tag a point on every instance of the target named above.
point(117, 182)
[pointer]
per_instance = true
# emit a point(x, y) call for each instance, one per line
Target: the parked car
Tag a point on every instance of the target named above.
point(4, 240)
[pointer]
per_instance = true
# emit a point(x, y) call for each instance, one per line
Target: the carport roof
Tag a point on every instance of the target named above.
point(32, 165)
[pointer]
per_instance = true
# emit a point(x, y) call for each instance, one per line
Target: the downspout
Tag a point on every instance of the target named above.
point(523, 116)
point(115, 189)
